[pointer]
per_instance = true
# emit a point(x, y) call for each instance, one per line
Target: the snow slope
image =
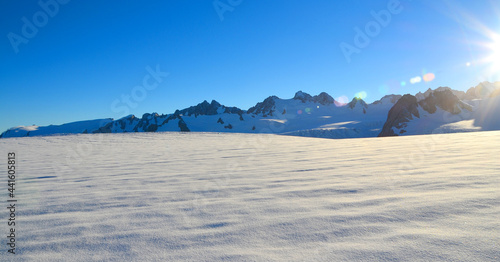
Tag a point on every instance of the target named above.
point(69, 128)
point(250, 197)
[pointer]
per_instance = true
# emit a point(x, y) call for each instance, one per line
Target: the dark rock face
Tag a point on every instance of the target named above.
point(152, 128)
point(401, 113)
point(445, 100)
point(152, 122)
point(104, 129)
point(233, 110)
point(265, 108)
point(406, 107)
point(145, 122)
point(304, 97)
point(356, 101)
point(183, 126)
point(323, 98)
point(203, 108)
point(171, 117)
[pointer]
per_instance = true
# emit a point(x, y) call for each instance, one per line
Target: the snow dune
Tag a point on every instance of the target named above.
point(253, 197)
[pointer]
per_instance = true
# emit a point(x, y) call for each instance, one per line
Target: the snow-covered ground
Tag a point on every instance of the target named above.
point(254, 197)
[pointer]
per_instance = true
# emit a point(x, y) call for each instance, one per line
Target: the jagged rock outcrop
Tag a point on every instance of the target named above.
point(147, 123)
point(483, 90)
point(402, 112)
point(203, 108)
point(311, 115)
point(323, 98)
point(302, 96)
point(407, 107)
point(183, 126)
point(266, 107)
point(445, 100)
point(356, 101)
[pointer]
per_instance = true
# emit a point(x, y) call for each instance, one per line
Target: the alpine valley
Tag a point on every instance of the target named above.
point(442, 110)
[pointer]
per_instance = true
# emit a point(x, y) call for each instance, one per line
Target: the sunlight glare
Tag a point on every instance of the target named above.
point(494, 58)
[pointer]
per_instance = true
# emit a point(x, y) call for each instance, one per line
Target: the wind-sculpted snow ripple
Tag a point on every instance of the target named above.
point(228, 197)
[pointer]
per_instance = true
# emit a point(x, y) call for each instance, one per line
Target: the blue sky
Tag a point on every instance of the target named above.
point(87, 55)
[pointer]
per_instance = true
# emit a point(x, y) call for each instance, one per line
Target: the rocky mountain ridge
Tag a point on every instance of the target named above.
point(304, 115)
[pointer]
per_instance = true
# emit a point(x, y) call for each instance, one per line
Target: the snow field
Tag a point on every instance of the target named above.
point(254, 197)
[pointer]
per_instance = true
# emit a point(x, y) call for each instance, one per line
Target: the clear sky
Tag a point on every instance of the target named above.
point(64, 62)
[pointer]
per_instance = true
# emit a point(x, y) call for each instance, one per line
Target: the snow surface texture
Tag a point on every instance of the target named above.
point(250, 197)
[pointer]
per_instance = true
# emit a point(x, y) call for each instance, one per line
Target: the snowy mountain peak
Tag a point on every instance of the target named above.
point(388, 99)
point(439, 108)
point(203, 108)
point(306, 115)
point(265, 107)
point(421, 96)
point(442, 88)
point(483, 90)
point(302, 96)
point(401, 113)
point(445, 99)
point(323, 98)
point(357, 102)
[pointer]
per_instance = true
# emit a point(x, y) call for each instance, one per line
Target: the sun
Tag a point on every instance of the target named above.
point(493, 60)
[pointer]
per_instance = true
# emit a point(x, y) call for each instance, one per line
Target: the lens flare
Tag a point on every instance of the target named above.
point(341, 101)
point(299, 112)
point(308, 110)
point(429, 77)
point(492, 61)
point(360, 95)
point(416, 80)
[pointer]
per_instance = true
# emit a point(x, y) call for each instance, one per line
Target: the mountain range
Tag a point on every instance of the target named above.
point(442, 110)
